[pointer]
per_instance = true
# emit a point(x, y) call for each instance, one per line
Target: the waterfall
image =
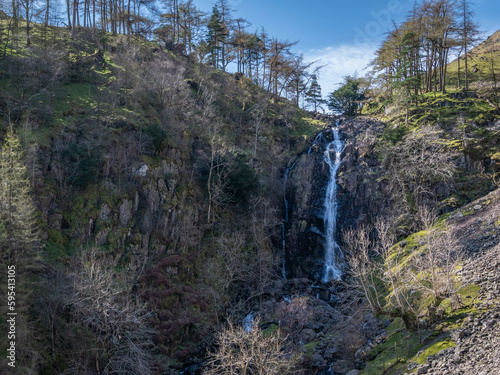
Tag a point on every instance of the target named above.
point(316, 140)
point(333, 259)
point(333, 253)
point(283, 225)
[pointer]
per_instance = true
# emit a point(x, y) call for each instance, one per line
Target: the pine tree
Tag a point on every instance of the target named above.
point(468, 33)
point(216, 36)
point(345, 100)
point(19, 242)
point(19, 237)
point(313, 95)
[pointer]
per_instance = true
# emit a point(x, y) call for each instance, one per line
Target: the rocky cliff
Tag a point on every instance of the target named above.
point(361, 194)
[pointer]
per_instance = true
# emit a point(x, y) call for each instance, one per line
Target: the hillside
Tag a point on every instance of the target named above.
point(461, 336)
point(484, 64)
point(160, 215)
point(146, 168)
point(394, 156)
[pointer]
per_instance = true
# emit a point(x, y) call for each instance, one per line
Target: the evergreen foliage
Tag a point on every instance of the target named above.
point(313, 95)
point(217, 34)
point(345, 100)
point(20, 236)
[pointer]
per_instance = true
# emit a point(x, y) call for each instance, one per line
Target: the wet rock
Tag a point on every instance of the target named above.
point(330, 353)
point(318, 361)
point(341, 367)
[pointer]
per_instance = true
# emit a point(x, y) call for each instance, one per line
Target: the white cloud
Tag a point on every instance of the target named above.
point(341, 61)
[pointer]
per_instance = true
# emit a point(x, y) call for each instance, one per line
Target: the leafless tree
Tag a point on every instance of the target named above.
point(414, 165)
point(118, 320)
point(163, 83)
point(364, 269)
point(229, 265)
point(436, 263)
point(250, 352)
point(294, 315)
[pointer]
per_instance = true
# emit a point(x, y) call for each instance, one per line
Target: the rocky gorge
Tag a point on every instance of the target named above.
point(173, 202)
point(363, 195)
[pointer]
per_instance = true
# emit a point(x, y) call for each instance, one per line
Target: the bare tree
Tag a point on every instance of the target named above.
point(117, 319)
point(162, 83)
point(436, 264)
point(229, 265)
point(294, 315)
point(362, 266)
point(250, 352)
point(468, 34)
point(414, 165)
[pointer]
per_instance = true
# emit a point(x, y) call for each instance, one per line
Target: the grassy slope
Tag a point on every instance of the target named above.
point(469, 122)
point(456, 115)
point(482, 59)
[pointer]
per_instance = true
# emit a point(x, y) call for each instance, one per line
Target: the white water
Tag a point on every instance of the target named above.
point(316, 140)
point(333, 253)
point(248, 322)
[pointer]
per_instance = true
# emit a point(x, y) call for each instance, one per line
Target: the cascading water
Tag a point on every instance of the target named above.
point(331, 145)
point(333, 253)
point(283, 225)
point(316, 140)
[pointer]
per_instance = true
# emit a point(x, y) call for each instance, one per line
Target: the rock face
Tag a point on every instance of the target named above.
point(305, 192)
point(157, 210)
point(314, 317)
point(359, 194)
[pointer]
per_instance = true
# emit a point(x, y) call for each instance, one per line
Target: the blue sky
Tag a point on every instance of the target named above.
point(342, 34)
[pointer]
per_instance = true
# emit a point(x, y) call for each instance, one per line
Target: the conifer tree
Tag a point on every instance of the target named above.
point(313, 95)
point(19, 237)
point(345, 100)
point(217, 33)
point(19, 241)
point(467, 32)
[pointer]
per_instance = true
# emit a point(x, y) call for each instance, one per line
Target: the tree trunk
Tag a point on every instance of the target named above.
point(129, 20)
point(68, 8)
point(47, 13)
point(28, 35)
point(75, 8)
point(14, 14)
point(85, 13)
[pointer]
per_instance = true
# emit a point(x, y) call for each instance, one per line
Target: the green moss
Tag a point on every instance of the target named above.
point(310, 348)
point(271, 330)
point(306, 127)
point(469, 294)
point(392, 353)
point(433, 349)
point(395, 326)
